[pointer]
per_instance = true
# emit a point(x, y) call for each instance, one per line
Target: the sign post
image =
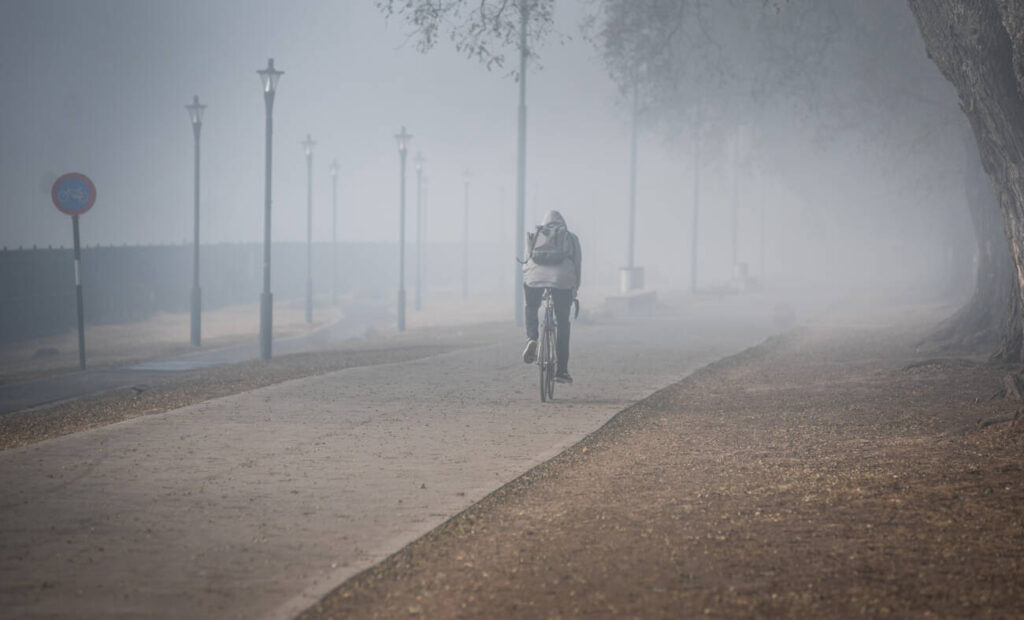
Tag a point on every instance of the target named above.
point(74, 194)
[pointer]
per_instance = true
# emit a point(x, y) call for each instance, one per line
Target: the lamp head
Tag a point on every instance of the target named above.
point(308, 144)
point(270, 76)
point(195, 110)
point(403, 140)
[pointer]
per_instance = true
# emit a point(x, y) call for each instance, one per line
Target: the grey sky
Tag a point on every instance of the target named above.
point(99, 87)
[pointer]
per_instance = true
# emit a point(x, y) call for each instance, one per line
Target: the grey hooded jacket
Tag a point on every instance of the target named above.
point(563, 276)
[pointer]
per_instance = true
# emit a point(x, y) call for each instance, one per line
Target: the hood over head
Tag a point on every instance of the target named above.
point(554, 218)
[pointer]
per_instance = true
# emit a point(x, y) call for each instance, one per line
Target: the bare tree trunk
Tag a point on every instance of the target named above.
point(979, 46)
point(981, 323)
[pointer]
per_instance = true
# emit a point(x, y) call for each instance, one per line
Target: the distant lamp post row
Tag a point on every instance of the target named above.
point(269, 78)
point(195, 112)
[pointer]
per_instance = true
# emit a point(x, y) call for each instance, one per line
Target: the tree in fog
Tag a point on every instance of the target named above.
point(812, 71)
point(485, 30)
point(979, 46)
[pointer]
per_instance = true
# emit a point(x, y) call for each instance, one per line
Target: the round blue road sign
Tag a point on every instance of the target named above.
point(73, 193)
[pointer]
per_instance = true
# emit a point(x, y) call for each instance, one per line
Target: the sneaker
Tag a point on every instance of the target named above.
point(530, 352)
point(563, 377)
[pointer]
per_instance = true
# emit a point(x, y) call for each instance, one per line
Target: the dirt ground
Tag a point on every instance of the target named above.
point(823, 474)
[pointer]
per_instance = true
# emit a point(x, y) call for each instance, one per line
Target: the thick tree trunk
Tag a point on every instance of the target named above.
point(981, 323)
point(979, 46)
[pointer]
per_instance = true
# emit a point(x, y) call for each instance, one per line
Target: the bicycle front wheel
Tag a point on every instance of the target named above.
point(542, 364)
point(550, 356)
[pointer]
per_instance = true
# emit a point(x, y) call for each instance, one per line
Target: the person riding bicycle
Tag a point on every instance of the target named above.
point(554, 262)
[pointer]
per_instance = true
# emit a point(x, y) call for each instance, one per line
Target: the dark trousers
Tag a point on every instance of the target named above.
point(562, 299)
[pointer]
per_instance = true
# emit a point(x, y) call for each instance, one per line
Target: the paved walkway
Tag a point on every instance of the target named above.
point(255, 505)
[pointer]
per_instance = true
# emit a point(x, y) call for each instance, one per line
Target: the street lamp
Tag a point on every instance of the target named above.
point(697, 128)
point(269, 77)
point(465, 237)
point(307, 146)
point(403, 146)
point(524, 20)
point(419, 229)
point(423, 227)
point(631, 277)
point(195, 112)
point(334, 232)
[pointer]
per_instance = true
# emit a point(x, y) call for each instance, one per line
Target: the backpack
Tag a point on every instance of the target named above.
point(551, 245)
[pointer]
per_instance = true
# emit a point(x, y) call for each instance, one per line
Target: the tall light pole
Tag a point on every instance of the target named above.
point(524, 18)
point(195, 112)
point(764, 206)
point(631, 274)
point(737, 157)
point(465, 238)
point(307, 147)
point(741, 173)
point(269, 77)
point(419, 229)
point(502, 232)
point(426, 218)
point(334, 232)
point(698, 121)
point(403, 146)
point(632, 188)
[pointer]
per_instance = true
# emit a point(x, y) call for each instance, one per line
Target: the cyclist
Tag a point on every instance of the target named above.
point(554, 262)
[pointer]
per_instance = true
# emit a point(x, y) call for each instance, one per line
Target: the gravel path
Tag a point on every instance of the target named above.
point(831, 473)
point(257, 504)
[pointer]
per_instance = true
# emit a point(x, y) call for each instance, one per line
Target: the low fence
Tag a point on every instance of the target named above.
point(122, 284)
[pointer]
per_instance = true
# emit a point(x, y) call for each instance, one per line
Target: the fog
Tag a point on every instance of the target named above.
point(100, 87)
point(246, 436)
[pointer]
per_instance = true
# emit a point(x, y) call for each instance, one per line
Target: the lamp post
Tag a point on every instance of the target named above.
point(334, 232)
point(465, 237)
point(419, 229)
point(632, 276)
point(269, 77)
point(423, 226)
point(195, 112)
point(524, 18)
point(759, 179)
point(697, 127)
point(403, 146)
point(307, 147)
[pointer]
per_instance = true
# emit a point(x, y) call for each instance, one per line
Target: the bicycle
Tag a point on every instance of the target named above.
point(546, 354)
point(547, 357)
